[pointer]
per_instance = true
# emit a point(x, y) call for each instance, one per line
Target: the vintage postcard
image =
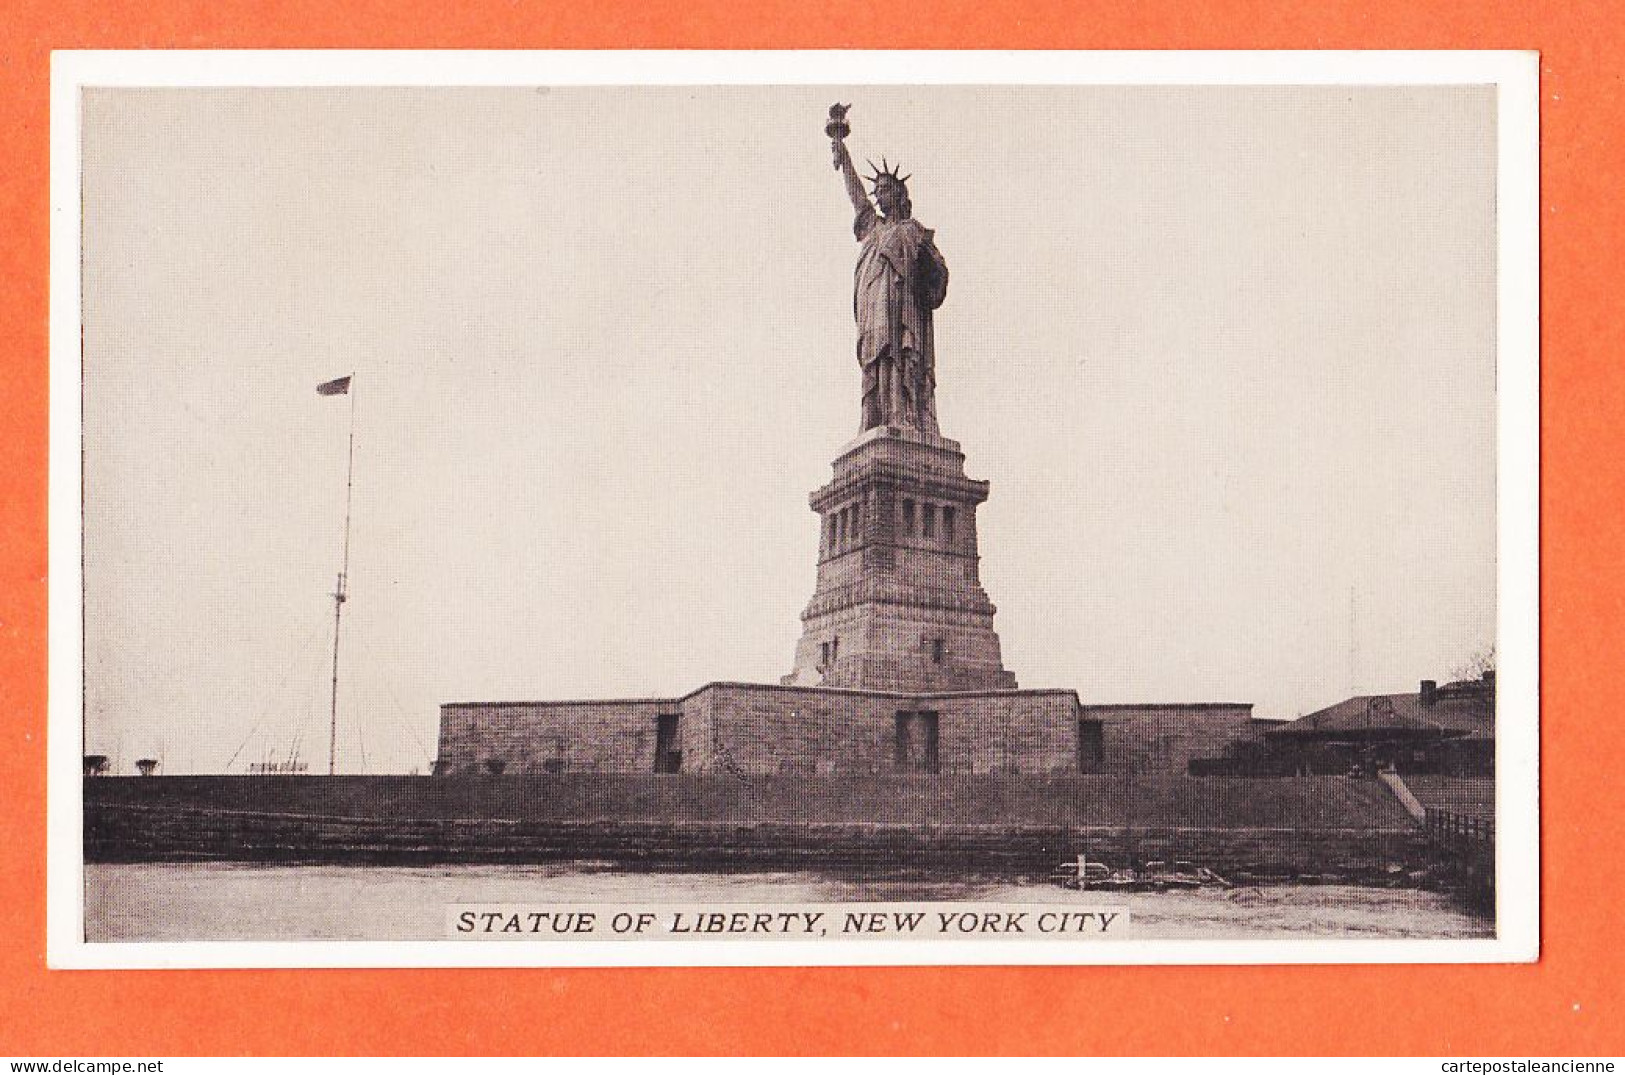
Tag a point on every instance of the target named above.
point(810, 508)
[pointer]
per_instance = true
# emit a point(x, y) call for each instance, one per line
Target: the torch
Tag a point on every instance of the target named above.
point(837, 128)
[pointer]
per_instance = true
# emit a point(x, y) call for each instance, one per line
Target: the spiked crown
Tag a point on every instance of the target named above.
point(887, 172)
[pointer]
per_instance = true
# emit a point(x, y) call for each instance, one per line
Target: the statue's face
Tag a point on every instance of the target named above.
point(890, 197)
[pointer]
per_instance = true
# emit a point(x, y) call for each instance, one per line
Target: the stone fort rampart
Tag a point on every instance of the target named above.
point(764, 728)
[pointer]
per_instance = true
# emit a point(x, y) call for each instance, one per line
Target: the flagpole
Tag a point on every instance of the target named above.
point(339, 592)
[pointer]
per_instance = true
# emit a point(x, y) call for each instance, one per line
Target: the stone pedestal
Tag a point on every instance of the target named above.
point(899, 604)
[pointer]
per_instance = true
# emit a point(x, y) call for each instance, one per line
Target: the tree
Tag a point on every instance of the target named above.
point(1479, 663)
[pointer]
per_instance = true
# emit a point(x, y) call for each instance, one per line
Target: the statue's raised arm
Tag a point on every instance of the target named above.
point(837, 128)
point(900, 279)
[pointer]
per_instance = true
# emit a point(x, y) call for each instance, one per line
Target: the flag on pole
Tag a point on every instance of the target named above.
point(337, 387)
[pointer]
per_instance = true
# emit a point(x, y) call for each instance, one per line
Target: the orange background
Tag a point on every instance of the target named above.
point(1570, 1002)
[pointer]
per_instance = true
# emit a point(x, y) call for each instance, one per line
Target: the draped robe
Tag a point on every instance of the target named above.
point(900, 278)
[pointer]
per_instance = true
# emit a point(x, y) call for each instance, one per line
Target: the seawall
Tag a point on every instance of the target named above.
point(982, 823)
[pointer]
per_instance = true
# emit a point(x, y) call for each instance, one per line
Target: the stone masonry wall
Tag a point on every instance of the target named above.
point(753, 728)
point(808, 730)
point(1272, 827)
point(756, 728)
point(1024, 732)
point(1163, 738)
point(539, 737)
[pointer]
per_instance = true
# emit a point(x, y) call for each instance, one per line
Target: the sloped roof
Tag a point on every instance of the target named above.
point(1468, 706)
point(1370, 716)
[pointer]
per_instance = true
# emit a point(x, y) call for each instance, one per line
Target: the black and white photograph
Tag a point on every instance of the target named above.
point(737, 508)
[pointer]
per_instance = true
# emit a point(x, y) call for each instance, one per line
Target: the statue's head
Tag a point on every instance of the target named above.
point(891, 191)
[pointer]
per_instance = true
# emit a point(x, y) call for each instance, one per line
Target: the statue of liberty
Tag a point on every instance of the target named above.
point(900, 279)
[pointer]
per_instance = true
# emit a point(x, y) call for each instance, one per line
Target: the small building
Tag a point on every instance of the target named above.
point(1448, 730)
point(1467, 705)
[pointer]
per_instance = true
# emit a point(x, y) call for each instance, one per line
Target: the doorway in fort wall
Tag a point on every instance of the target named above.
point(668, 743)
point(916, 744)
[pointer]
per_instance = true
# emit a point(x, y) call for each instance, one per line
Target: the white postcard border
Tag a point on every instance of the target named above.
point(1516, 74)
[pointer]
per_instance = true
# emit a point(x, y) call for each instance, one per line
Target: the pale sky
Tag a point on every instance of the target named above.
point(1226, 355)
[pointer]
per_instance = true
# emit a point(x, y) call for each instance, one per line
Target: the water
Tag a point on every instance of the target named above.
point(233, 902)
